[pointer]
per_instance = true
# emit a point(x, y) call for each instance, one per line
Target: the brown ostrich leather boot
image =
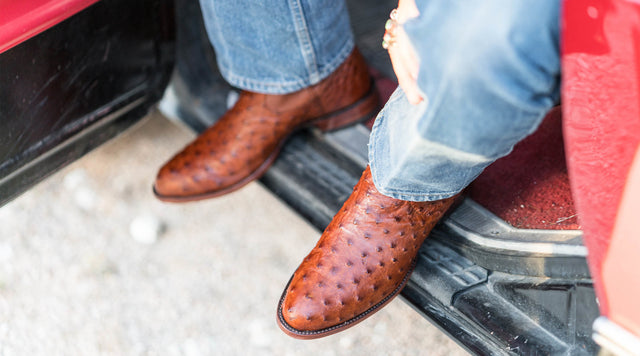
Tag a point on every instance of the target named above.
point(362, 260)
point(242, 145)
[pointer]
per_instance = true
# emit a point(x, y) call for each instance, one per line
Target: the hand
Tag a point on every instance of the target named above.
point(403, 56)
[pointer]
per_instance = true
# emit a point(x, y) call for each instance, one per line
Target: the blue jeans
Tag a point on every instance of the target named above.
point(489, 72)
point(277, 47)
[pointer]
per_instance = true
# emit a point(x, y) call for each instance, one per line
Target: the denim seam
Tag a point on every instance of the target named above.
point(306, 47)
point(338, 60)
point(217, 22)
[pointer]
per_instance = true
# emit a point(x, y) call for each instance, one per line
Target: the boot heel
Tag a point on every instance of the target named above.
point(361, 110)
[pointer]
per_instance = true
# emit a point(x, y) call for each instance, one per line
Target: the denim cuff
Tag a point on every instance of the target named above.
point(266, 86)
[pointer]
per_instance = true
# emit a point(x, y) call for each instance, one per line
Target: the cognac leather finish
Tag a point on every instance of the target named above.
point(242, 145)
point(362, 260)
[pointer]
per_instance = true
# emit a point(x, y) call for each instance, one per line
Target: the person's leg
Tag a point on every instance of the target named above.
point(484, 92)
point(489, 72)
point(296, 63)
point(277, 47)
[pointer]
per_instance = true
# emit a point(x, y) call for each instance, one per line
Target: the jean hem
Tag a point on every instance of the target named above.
point(419, 197)
point(286, 87)
point(377, 148)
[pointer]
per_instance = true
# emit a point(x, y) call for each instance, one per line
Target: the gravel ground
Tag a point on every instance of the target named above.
point(92, 264)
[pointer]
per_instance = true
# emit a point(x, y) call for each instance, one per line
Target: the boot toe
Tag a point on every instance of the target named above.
point(308, 312)
point(303, 314)
point(169, 183)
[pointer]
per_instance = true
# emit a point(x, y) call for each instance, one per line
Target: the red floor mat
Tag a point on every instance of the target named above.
point(529, 188)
